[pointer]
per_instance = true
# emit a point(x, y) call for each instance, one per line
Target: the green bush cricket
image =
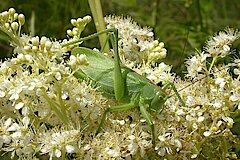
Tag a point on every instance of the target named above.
point(119, 82)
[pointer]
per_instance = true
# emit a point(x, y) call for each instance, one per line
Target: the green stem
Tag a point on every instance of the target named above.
point(96, 9)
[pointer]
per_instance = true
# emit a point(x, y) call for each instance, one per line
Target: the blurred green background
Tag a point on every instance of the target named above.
point(182, 25)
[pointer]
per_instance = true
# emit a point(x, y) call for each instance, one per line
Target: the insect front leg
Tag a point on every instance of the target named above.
point(149, 121)
point(119, 80)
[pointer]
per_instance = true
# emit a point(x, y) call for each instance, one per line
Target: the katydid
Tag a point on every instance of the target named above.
point(121, 83)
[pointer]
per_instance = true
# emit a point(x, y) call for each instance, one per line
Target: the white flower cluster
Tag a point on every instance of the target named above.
point(139, 51)
point(219, 45)
point(41, 99)
point(136, 44)
point(11, 23)
point(79, 25)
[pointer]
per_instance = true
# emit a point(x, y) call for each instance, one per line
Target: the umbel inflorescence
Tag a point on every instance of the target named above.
point(47, 113)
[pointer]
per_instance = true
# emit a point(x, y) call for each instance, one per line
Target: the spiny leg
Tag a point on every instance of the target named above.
point(119, 80)
point(149, 121)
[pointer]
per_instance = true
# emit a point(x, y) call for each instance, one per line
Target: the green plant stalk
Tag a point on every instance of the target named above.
point(96, 9)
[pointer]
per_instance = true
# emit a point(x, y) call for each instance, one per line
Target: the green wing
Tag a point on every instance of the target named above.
point(99, 70)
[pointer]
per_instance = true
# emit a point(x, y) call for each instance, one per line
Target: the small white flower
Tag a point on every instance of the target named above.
point(162, 152)
point(58, 153)
point(39, 92)
point(161, 138)
point(70, 149)
point(180, 112)
point(15, 93)
point(227, 119)
point(65, 95)
point(200, 119)
point(26, 121)
point(219, 123)
point(194, 156)
point(19, 105)
point(195, 126)
point(132, 125)
point(233, 98)
point(189, 118)
point(121, 122)
point(8, 122)
point(131, 137)
point(220, 81)
point(86, 147)
point(217, 105)
point(16, 135)
point(78, 98)
point(226, 48)
point(13, 127)
point(190, 101)
point(207, 133)
point(6, 139)
point(58, 76)
point(2, 94)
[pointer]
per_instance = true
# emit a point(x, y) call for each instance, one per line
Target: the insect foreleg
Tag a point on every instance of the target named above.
point(149, 121)
point(119, 81)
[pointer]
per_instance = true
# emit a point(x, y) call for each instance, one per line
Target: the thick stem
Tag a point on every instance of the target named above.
point(96, 9)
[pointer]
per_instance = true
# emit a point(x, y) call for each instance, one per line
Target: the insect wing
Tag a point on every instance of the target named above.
point(99, 70)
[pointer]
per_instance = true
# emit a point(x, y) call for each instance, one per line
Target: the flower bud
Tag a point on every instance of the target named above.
point(162, 55)
point(35, 41)
point(5, 15)
point(34, 48)
point(161, 44)
point(75, 31)
point(48, 45)
point(43, 41)
point(28, 57)
point(7, 26)
point(15, 16)
point(21, 57)
point(21, 19)
point(82, 58)
point(87, 19)
point(69, 32)
point(74, 22)
point(79, 21)
point(27, 48)
point(14, 26)
point(11, 11)
point(155, 43)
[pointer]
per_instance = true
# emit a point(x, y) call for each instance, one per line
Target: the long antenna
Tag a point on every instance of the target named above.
point(229, 65)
